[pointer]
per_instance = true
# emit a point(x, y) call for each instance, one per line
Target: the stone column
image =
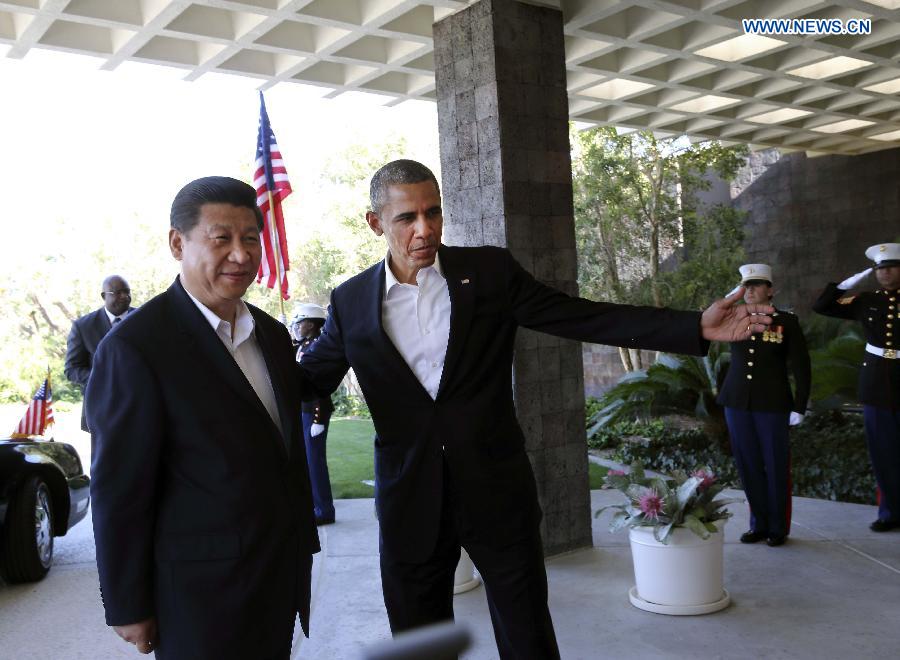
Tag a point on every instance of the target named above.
point(507, 181)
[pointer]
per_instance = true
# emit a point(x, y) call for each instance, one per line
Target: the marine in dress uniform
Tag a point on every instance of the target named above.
point(760, 407)
point(307, 324)
point(879, 378)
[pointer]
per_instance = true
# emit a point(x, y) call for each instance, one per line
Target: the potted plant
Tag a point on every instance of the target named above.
point(676, 538)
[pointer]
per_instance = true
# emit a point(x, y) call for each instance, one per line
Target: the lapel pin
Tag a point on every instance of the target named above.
point(465, 281)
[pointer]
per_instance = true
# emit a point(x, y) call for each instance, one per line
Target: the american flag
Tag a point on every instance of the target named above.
point(39, 414)
point(271, 177)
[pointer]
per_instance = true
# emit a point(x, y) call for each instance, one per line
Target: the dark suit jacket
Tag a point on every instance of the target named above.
point(84, 337)
point(202, 511)
point(879, 378)
point(765, 359)
point(472, 423)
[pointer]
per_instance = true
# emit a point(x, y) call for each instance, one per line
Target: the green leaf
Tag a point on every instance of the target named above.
point(693, 523)
point(620, 520)
point(662, 532)
point(686, 491)
point(617, 481)
point(669, 361)
point(619, 507)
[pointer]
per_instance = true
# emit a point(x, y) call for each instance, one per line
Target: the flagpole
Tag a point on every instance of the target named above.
point(50, 394)
point(273, 235)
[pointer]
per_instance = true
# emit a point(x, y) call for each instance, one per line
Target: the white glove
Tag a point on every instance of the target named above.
point(734, 291)
point(853, 280)
point(316, 429)
point(796, 418)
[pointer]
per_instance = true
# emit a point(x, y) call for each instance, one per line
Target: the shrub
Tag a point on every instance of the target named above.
point(671, 451)
point(830, 460)
point(349, 405)
point(611, 436)
point(828, 454)
point(672, 385)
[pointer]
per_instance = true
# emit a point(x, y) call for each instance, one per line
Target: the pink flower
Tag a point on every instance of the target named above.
point(650, 503)
point(707, 479)
point(616, 473)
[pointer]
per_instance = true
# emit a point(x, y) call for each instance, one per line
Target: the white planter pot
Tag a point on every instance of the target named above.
point(683, 577)
point(465, 578)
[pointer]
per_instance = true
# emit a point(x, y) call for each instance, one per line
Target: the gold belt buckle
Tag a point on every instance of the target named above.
point(890, 354)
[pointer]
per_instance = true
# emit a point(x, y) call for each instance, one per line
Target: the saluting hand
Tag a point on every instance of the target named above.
point(853, 280)
point(727, 321)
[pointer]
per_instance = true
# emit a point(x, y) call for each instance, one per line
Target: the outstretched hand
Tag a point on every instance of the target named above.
point(727, 321)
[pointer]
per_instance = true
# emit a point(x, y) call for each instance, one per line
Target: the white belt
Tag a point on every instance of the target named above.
point(889, 353)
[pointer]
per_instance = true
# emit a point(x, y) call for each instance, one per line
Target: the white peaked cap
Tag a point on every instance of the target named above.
point(756, 272)
point(884, 252)
point(308, 311)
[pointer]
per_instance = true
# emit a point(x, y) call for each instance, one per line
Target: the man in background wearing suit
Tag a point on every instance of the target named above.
point(88, 330)
point(202, 508)
point(429, 332)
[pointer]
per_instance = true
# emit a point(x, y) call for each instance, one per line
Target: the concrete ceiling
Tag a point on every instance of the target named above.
point(672, 66)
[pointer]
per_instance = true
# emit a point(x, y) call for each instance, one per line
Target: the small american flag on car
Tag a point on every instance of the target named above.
point(39, 414)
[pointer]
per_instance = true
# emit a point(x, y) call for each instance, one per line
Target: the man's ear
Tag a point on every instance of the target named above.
point(374, 222)
point(176, 243)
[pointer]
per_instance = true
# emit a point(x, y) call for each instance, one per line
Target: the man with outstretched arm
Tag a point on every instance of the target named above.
point(429, 332)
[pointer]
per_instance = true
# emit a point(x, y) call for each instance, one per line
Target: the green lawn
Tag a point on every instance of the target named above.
point(596, 473)
point(351, 459)
point(351, 453)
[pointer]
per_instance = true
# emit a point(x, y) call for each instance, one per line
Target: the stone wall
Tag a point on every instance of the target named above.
point(811, 219)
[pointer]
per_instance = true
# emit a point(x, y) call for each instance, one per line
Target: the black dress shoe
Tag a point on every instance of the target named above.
point(774, 541)
point(324, 521)
point(752, 537)
point(884, 525)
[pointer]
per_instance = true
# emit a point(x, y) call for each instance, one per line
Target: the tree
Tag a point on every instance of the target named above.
point(636, 211)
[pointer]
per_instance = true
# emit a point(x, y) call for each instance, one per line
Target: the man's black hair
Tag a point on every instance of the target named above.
point(397, 172)
point(211, 190)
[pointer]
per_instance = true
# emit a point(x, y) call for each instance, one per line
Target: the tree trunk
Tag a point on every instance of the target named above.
point(636, 358)
point(608, 254)
point(654, 262)
point(625, 356)
point(53, 327)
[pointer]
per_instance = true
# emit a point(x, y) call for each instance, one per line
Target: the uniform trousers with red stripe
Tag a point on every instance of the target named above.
point(883, 438)
point(762, 453)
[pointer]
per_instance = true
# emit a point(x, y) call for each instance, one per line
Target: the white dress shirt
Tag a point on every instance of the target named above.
point(113, 318)
point(417, 320)
point(246, 352)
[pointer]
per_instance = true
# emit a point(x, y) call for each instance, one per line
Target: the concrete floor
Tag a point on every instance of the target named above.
point(832, 592)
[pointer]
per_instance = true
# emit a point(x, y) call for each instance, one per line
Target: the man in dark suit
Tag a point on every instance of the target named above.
point(201, 501)
point(88, 330)
point(429, 333)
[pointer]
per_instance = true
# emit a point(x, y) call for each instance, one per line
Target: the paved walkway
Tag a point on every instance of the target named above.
point(832, 592)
